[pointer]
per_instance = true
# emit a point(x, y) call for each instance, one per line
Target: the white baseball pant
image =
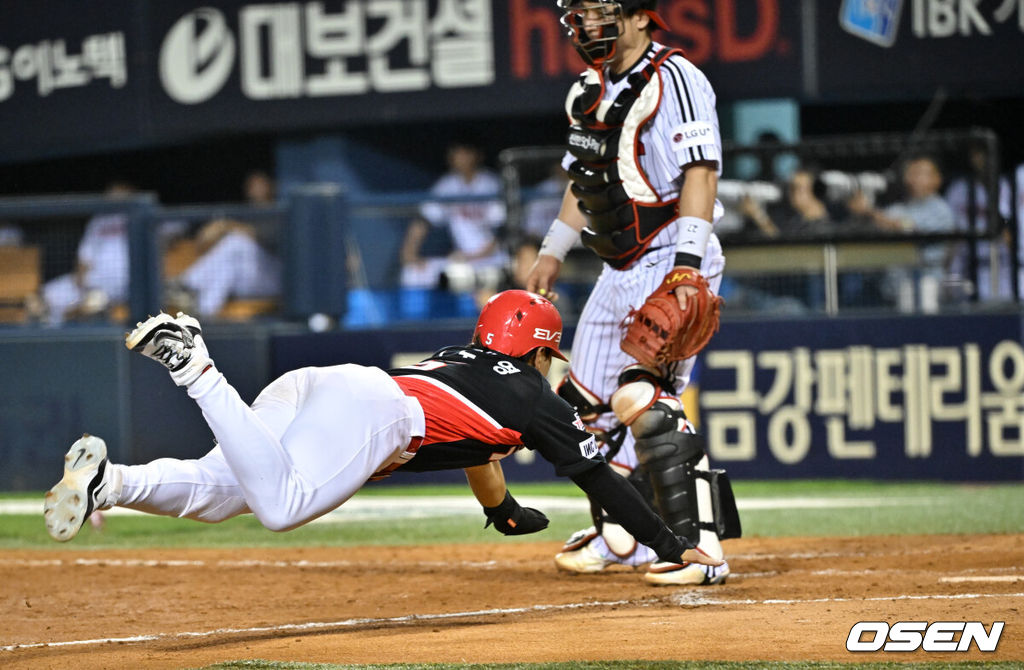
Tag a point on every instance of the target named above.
point(598, 359)
point(311, 439)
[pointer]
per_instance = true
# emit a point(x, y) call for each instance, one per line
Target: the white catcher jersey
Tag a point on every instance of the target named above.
point(683, 131)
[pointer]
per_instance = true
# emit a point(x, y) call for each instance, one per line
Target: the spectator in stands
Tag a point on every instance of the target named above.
point(1017, 224)
point(805, 210)
point(771, 163)
point(923, 210)
point(959, 197)
point(232, 262)
point(10, 234)
point(476, 257)
point(100, 278)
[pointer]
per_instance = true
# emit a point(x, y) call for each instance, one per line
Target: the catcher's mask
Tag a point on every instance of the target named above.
point(517, 322)
point(593, 25)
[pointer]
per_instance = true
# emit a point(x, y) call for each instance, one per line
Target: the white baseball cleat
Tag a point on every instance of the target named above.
point(88, 485)
point(686, 574)
point(586, 559)
point(176, 343)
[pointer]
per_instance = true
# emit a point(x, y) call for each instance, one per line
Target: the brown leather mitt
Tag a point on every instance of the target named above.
point(659, 332)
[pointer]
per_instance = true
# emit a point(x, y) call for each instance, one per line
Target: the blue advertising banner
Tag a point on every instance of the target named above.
point(939, 397)
point(886, 398)
point(901, 398)
point(908, 49)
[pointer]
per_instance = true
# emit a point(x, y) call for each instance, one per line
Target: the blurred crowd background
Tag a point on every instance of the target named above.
point(352, 202)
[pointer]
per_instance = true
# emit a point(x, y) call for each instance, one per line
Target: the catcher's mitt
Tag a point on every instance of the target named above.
point(659, 332)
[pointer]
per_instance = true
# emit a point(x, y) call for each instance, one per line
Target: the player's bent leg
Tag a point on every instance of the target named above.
point(350, 421)
point(206, 489)
point(89, 484)
point(252, 451)
point(261, 465)
point(174, 342)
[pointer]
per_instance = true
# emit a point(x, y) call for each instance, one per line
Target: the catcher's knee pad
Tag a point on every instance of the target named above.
point(639, 388)
point(586, 404)
point(697, 503)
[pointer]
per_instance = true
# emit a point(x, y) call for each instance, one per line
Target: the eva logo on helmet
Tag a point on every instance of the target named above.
point(516, 322)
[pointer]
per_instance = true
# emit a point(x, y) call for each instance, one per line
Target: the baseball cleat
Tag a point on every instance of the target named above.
point(176, 343)
point(686, 574)
point(583, 560)
point(86, 487)
point(580, 539)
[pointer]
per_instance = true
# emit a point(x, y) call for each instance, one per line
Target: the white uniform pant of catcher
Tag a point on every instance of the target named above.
point(598, 359)
point(311, 439)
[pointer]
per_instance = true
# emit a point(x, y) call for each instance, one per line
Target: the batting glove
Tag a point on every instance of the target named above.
point(510, 518)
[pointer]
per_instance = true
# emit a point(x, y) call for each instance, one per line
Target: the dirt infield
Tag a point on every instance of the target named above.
point(788, 599)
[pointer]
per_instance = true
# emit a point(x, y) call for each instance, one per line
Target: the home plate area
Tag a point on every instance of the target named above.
point(788, 599)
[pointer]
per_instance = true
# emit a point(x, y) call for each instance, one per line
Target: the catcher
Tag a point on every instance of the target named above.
point(644, 155)
point(315, 436)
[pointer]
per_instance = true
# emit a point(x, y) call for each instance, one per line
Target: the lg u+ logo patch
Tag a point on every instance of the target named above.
point(914, 635)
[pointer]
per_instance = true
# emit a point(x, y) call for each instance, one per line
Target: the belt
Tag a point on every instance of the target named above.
point(399, 460)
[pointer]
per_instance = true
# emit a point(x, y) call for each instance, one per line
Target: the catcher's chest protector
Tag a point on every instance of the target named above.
point(622, 209)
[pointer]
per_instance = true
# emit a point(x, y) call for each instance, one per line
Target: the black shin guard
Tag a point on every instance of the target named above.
point(670, 459)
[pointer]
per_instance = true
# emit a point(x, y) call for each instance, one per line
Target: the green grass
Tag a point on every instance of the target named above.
point(623, 665)
point(925, 508)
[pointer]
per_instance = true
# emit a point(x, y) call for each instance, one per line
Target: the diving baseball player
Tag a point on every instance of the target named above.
point(644, 156)
point(314, 436)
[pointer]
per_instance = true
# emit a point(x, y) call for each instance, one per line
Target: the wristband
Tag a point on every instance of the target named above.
point(694, 233)
point(560, 238)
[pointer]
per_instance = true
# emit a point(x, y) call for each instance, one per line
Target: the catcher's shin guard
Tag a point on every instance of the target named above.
point(697, 503)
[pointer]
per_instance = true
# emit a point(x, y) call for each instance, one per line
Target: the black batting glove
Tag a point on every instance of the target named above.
point(510, 518)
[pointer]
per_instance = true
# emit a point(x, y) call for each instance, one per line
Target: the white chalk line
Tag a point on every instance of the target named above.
point(982, 578)
point(180, 563)
point(489, 565)
point(321, 625)
point(375, 508)
point(694, 599)
point(688, 599)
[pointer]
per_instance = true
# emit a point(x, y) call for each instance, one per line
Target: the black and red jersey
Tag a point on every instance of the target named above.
point(481, 405)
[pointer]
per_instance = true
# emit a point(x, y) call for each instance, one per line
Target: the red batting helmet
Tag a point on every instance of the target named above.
point(517, 322)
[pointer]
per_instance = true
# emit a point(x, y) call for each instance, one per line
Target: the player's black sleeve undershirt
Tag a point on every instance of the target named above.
point(625, 505)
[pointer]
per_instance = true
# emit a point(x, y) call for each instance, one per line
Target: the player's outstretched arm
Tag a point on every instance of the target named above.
point(500, 508)
point(624, 504)
point(487, 483)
